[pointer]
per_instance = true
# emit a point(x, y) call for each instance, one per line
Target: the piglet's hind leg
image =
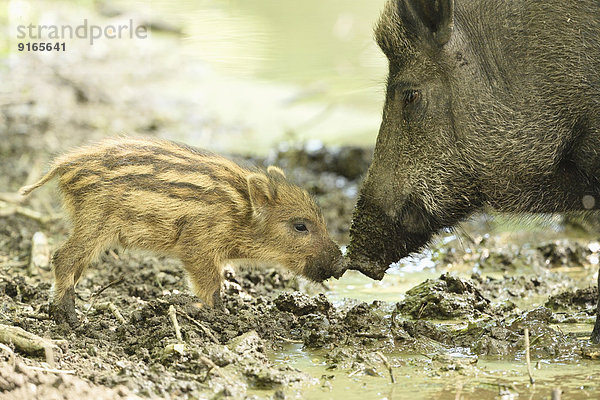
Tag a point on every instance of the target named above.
point(69, 262)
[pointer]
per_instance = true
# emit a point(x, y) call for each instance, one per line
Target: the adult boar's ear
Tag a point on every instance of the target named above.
point(435, 16)
point(260, 190)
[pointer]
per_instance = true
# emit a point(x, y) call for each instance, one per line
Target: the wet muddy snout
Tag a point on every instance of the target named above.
point(339, 268)
point(329, 264)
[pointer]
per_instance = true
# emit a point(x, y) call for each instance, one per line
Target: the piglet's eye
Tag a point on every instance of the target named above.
point(300, 227)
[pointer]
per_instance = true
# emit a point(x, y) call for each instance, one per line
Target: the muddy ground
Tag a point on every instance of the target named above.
point(127, 345)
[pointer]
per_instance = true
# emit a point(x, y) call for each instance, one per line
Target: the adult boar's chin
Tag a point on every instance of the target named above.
point(377, 239)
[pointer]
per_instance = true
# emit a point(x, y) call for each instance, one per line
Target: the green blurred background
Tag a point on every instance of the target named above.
point(278, 70)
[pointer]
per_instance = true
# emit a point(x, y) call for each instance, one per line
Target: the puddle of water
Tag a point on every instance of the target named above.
point(418, 378)
point(391, 288)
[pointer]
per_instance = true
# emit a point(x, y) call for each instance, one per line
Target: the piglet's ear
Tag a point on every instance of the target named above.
point(433, 19)
point(275, 172)
point(260, 189)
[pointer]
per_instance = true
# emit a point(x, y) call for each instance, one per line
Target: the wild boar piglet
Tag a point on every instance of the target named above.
point(187, 203)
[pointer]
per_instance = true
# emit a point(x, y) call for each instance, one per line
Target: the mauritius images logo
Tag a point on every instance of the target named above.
point(85, 30)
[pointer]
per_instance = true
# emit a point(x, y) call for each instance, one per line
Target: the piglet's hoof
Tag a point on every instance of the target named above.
point(63, 314)
point(60, 315)
point(64, 311)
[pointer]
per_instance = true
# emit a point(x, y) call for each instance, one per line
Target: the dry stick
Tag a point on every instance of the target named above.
point(283, 339)
point(11, 197)
point(116, 313)
point(173, 317)
point(11, 354)
point(113, 309)
point(213, 367)
point(38, 316)
point(49, 353)
point(116, 281)
point(387, 364)
point(36, 215)
point(527, 357)
point(370, 335)
point(114, 255)
point(95, 295)
point(24, 341)
point(206, 331)
point(7, 209)
point(14, 264)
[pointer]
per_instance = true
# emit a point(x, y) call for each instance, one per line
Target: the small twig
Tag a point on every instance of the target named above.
point(283, 339)
point(24, 341)
point(527, 356)
point(387, 364)
point(11, 197)
point(8, 209)
point(51, 370)
point(36, 215)
point(355, 372)
point(116, 313)
point(49, 353)
point(173, 317)
point(213, 367)
point(38, 316)
point(113, 309)
point(11, 354)
point(209, 363)
point(110, 284)
point(97, 293)
point(206, 331)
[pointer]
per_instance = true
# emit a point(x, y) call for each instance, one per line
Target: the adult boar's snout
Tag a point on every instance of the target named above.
point(339, 268)
point(378, 239)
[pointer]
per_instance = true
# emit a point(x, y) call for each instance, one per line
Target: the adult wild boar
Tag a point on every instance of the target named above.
point(489, 103)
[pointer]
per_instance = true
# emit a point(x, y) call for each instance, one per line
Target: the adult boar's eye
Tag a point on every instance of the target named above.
point(299, 227)
point(411, 96)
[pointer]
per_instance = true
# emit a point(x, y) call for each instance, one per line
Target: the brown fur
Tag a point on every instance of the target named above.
point(190, 204)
